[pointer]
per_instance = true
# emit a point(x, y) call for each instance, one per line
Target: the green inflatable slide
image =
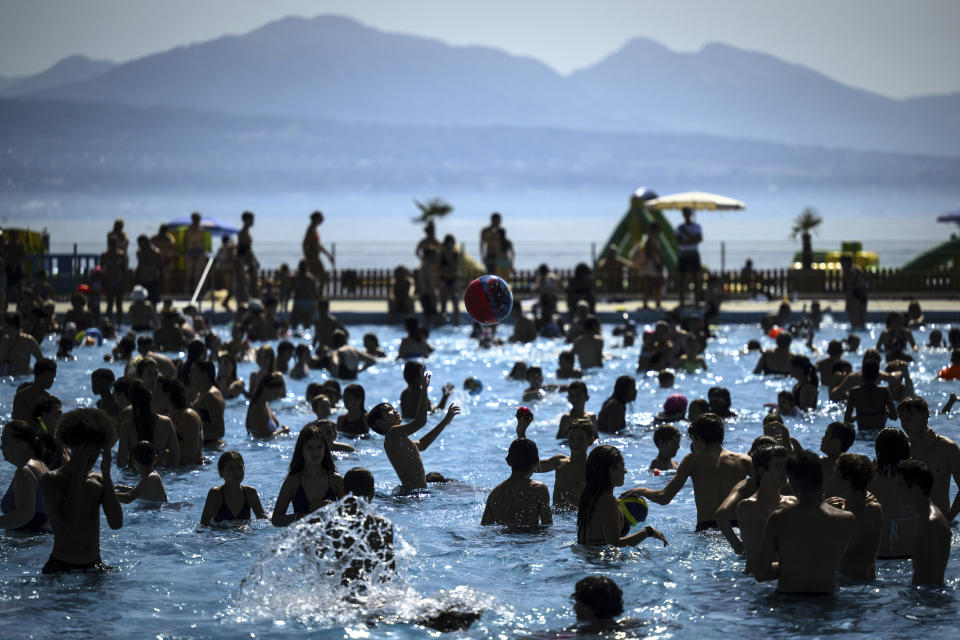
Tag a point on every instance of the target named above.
point(939, 256)
point(633, 227)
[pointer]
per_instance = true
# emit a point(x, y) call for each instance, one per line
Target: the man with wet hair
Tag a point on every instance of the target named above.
point(715, 471)
point(853, 474)
point(940, 454)
point(809, 537)
point(770, 463)
point(519, 501)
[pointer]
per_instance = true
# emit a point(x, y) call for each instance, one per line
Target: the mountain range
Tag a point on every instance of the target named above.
point(334, 68)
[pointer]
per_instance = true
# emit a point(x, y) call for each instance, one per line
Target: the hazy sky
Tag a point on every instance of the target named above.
point(896, 48)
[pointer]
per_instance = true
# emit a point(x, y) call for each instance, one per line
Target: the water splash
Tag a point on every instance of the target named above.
point(345, 565)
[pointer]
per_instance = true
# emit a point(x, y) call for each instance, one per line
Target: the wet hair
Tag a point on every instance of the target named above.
point(565, 356)
point(855, 469)
point(82, 427)
point(332, 389)
point(784, 339)
point(315, 388)
point(306, 434)
point(842, 365)
point(843, 432)
point(267, 350)
point(196, 350)
point(273, 379)
point(696, 408)
point(22, 431)
point(665, 433)
point(601, 594)
point(413, 328)
point(45, 405)
point(591, 324)
point(176, 391)
point(284, 346)
point(412, 372)
point(338, 339)
point(936, 337)
point(144, 453)
point(45, 365)
point(871, 370)
point(953, 336)
point(708, 428)
point(359, 482)
point(144, 420)
point(355, 391)
point(597, 482)
point(531, 371)
point(762, 441)
point(916, 473)
point(522, 454)
point(578, 384)
point(226, 457)
point(913, 403)
point(518, 367)
point(809, 370)
point(805, 472)
point(103, 374)
point(622, 387)
point(144, 342)
point(891, 446)
point(835, 348)
point(871, 354)
point(721, 393)
point(142, 363)
point(666, 378)
point(371, 337)
point(761, 456)
point(126, 346)
point(753, 345)
point(376, 414)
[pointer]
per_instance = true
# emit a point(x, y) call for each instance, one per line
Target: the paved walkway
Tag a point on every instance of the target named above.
point(732, 311)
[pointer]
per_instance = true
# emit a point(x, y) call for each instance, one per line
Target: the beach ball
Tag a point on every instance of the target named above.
point(488, 299)
point(634, 509)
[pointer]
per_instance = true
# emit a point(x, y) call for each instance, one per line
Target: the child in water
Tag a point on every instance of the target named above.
point(354, 422)
point(404, 453)
point(577, 396)
point(667, 440)
point(412, 373)
point(231, 500)
point(321, 409)
point(150, 487)
point(74, 494)
point(312, 481)
point(569, 476)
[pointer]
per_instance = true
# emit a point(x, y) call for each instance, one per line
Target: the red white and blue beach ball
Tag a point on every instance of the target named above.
point(488, 299)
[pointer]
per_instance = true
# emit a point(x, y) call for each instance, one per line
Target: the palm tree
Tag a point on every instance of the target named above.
point(435, 208)
point(807, 221)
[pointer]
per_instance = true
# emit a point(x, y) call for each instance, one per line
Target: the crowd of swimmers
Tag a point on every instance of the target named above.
point(796, 517)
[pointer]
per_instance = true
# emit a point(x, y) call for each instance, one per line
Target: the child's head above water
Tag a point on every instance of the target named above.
point(228, 460)
point(144, 456)
point(305, 449)
point(86, 428)
point(837, 438)
point(413, 373)
point(534, 376)
point(667, 437)
point(320, 404)
point(597, 598)
point(522, 455)
point(381, 417)
point(577, 392)
point(707, 428)
point(696, 408)
point(359, 482)
point(855, 469)
point(675, 405)
point(666, 378)
point(354, 397)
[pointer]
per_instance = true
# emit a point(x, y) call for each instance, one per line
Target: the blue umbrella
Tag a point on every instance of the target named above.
point(953, 216)
point(215, 226)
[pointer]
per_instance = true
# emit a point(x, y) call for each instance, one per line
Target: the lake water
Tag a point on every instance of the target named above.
point(175, 580)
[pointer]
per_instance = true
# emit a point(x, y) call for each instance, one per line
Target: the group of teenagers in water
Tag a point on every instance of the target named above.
point(798, 518)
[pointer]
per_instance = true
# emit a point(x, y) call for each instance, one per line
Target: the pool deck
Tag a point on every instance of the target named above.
point(609, 311)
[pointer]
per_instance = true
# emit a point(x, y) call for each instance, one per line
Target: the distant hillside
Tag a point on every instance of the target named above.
point(67, 71)
point(92, 147)
point(338, 68)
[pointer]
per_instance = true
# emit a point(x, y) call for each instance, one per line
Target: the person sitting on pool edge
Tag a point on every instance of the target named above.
point(809, 537)
point(404, 453)
point(74, 493)
point(714, 470)
point(519, 501)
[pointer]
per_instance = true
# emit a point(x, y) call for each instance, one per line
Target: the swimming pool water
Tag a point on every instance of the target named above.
point(176, 580)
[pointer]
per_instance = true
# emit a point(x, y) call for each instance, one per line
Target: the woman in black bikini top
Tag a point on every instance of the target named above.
point(312, 481)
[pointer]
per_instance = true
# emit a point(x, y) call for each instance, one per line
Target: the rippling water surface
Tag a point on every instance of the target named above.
point(174, 580)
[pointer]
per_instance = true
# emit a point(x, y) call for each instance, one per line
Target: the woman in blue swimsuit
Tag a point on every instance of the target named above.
point(313, 480)
point(232, 501)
